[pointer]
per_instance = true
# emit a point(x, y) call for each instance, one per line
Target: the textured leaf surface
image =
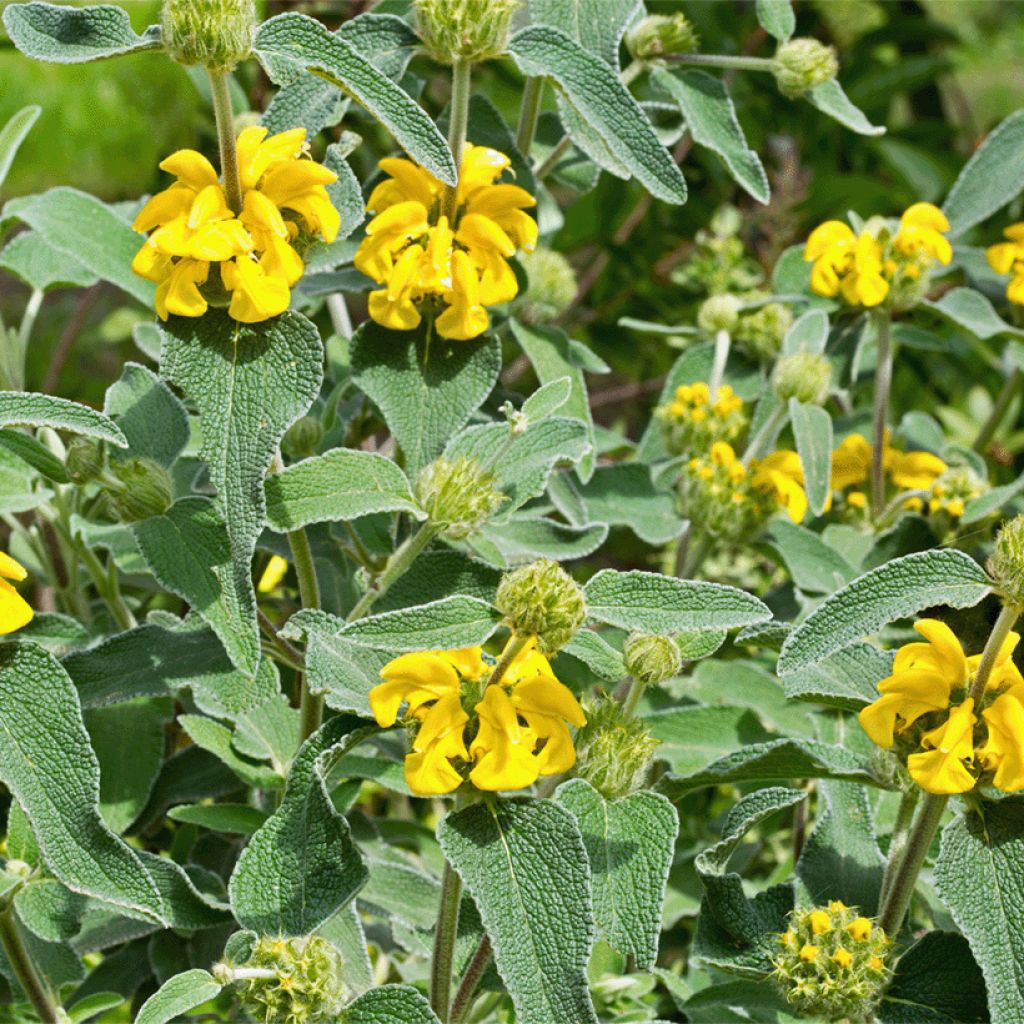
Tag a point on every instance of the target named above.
point(847, 679)
point(48, 764)
point(597, 25)
point(596, 94)
point(339, 485)
point(812, 428)
point(29, 409)
point(659, 604)
point(73, 35)
point(830, 99)
point(809, 333)
point(972, 311)
point(525, 538)
point(693, 737)
point(423, 404)
point(177, 996)
point(815, 566)
point(630, 843)
point(305, 847)
point(598, 655)
point(624, 495)
point(980, 877)
point(152, 419)
point(29, 256)
point(776, 17)
point(389, 1004)
point(452, 622)
point(524, 863)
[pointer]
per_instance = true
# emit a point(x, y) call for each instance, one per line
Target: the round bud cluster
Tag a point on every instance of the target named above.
point(805, 376)
point(84, 460)
point(614, 753)
point(720, 496)
point(692, 422)
point(552, 286)
point(458, 495)
point(651, 658)
point(952, 492)
point(659, 34)
point(302, 437)
point(139, 488)
point(464, 30)
point(719, 313)
point(214, 33)
point(801, 64)
point(831, 962)
point(289, 980)
point(1007, 562)
point(759, 333)
point(542, 600)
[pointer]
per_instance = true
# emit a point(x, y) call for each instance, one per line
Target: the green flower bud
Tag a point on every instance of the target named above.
point(542, 600)
point(18, 868)
point(801, 64)
point(805, 376)
point(552, 286)
point(288, 980)
point(459, 495)
point(614, 753)
point(760, 332)
point(1007, 562)
point(719, 313)
point(145, 489)
point(214, 33)
point(471, 30)
point(84, 460)
point(302, 437)
point(651, 658)
point(658, 34)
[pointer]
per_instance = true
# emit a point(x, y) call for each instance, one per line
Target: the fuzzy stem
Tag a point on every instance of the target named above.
point(107, 586)
point(512, 648)
point(898, 839)
point(547, 165)
point(312, 705)
point(883, 383)
point(765, 432)
point(459, 120)
point(1007, 617)
point(722, 343)
point(715, 60)
point(629, 705)
point(529, 113)
point(397, 564)
point(24, 969)
point(28, 320)
point(226, 138)
point(444, 943)
point(463, 1001)
point(1006, 396)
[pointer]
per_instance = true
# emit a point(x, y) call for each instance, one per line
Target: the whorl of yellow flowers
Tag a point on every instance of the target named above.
point(455, 266)
point(284, 198)
point(925, 714)
point(869, 267)
point(15, 611)
point(502, 735)
point(1008, 258)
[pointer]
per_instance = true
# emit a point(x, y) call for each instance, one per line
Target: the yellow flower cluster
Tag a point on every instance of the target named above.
point(15, 611)
point(924, 708)
point(863, 267)
point(907, 471)
point(508, 733)
point(693, 422)
point(453, 265)
point(1008, 258)
point(252, 249)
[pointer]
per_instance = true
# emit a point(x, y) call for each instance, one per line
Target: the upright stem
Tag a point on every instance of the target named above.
point(1006, 396)
point(512, 648)
point(545, 167)
point(226, 139)
point(24, 969)
point(107, 586)
point(444, 943)
point(312, 705)
point(459, 120)
point(1007, 617)
point(529, 113)
point(463, 1001)
point(722, 341)
point(396, 565)
point(898, 839)
point(764, 433)
point(629, 705)
point(28, 320)
point(883, 383)
point(695, 555)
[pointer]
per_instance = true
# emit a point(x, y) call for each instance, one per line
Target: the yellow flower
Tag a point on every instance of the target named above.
point(15, 611)
point(851, 462)
point(940, 767)
point(808, 953)
point(842, 957)
point(1008, 258)
point(782, 474)
point(192, 227)
point(921, 230)
point(913, 471)
point(1003, 750)
point(821, 922)
point(421, 258)
point(860, 929)
point(272, 575)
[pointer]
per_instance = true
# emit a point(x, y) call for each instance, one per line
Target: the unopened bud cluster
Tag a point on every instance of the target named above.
point(723, 497)
point(458, 495)
point(139, 488)
point(464, 30)
point(692, 422)
point(759, 333)
point(214, 33)
point(614, 753)
point(651, 658)
point(542, 600)
point(719, 313)
point(84, 460)
point(552, 286)
point(805, 376)
point(1007, 562)
point(831, 962)
point(801, 64)
point(659, 34)
point(302, 437)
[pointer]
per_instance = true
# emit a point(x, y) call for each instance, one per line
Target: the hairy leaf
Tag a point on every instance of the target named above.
point(73, 35)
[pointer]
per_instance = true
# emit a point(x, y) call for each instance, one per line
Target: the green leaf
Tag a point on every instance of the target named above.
point(188, 551)
point(830, 99)
point(269, 733)
point(305, 847)
point(440, 573)
point(49, 909)
point(692, 737)
point(423, 402)
point(896, 590)
point(984, 505)
point(12, 135)
point(847, 680)
point(28, 409)
point(35, 454)
point(809, 333)
point(240, 819)
point(624, 495)
point(980, 878)
point(389, 1004)
point(345, 932)
point(525, 538)
point(88, 231)
point(596, 95)
point(340, 485)
point(814, 566)
point(447, 624)
point(711, 120)
point(547, 399)
point(992, 177)
point(152, 419)
point(812, 429)
point(597, 25)
point(73, 35)
point(29, 256)
point(92, 1006)
point(974, 313)
point(654, 603)
point(216, 739)
point(776, 17)
point(306, 43)
point(49, 766)
point(630, 843)
point(177, 996)
point(524, 863)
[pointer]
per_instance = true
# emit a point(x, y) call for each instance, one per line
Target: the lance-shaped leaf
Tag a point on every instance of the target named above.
point(389, 1004)
point(630, 843)
point(593, 90)
point(525, 865)
point(809, 333)
point(341, 484)
point(177, 996)
point(308, 45)
point(974, 313)
point(654, 603)
point(524, 538)
point(812, 428)
point(895, 590)
point(28, 409)
point(777, 18)
point(830, 99)
point(48, 764)
point(452, 622)
point(61, 34)
point(12, 135)
point(623, 494)
point(302, 866)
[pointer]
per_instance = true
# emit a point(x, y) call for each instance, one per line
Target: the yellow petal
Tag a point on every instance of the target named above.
point(10, 569)
point(399, 314)
point(502, 748)
point(255, 295)
point(272, 575)
point(825, 236)
point(479, 232)
point(15, 611)
point(190, 167)
point(915, 471)
point(924, 215)
point(179, 293)
point(152, 264)
point(1000, 256)
point(173, 202)
point(481, 166)
point(412, 181)
point(946, 647)
point(1003, 750)
point(220, 241)
point(940, 767)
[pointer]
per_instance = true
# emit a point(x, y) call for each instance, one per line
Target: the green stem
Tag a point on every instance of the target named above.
point(765, 433)
point(28, 320)
point(463, 1001)
point(444, 943)
point(714, 60)
point(883, 384)
point(1007, 617)
point(898, 839)
point(695, 555)
point(458, 122)
point(545, 167)
point(1006, 396)
point(529, 114)
point(397, 564)
point(311, 705)
point(107, 587)
point(226, 139)
point(24, 969)
point(512, 648)
point(682, 549)
point(629, 705)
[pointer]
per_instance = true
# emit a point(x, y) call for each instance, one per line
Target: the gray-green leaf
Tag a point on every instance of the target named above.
point(177, 996)
point(12, 135)
point(812, 428)
point(28, 409)
point(73, 35)
point(830, 99)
